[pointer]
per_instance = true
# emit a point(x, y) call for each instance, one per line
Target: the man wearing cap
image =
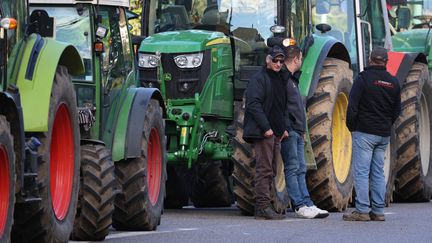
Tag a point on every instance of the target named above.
point(374, 105)
point(264, 126)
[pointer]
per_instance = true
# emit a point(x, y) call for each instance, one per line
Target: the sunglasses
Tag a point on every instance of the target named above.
point(281, 61)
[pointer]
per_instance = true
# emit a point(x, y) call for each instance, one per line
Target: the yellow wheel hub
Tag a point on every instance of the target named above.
point(341, 139)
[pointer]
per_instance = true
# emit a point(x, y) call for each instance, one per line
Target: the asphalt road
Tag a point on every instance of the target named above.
point(404, 223)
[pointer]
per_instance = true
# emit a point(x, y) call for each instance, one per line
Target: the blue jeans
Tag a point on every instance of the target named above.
point(292, 151)
point(368, 161)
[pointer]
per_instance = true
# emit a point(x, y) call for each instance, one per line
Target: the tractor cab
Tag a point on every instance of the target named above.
point(100, 33)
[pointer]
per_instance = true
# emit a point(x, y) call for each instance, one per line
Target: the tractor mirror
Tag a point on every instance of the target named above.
point(322, 7)
point(136, 42)
point(131, 15)
point(323, 27)
point(101, 31)
point(41, 23)
point(403, 16)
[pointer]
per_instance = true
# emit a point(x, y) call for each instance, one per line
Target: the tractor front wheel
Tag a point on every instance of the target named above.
point(210, 186)
point(51, 219)
point(96, 196)
point(330, 186)
point(244, 172)
point(7, 180)
point(177, 194)
point(139, 206)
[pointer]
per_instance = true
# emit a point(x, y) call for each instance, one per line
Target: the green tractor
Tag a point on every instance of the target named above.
point(412, 34)
point(121, 124)
point(201, 55)
point(39, 136)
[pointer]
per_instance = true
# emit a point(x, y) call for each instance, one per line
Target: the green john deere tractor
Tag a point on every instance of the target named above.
point(201, 55)
point(412, 21)
point(119, 121)
point(39, 136)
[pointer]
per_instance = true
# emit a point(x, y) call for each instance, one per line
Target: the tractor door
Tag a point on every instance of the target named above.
point(372, 29)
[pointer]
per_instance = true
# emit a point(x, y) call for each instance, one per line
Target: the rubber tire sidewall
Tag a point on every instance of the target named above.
point(324, 187)
point(45, 227)
point(7, 141)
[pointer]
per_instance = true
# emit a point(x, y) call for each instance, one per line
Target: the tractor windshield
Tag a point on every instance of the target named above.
point(72, 25)
point(296, 19)
point(340, 15)
point(241, 15)
point(414, 15)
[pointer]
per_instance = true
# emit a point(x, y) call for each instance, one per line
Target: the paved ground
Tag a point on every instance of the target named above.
point(404, 223)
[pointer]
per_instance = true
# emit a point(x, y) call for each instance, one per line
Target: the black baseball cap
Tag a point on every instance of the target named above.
point(276, 51)
point(379, 53)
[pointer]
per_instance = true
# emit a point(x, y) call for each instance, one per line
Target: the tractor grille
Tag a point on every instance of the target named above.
point(184, 82)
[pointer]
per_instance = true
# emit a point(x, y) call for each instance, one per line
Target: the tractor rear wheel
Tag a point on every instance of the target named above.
point(331, 184)
point(51, 219)
point(244, 172)
point(96, 195)
point(177, 195)
point(413, 131)
point(7, 180)
point(210, 186)
point(139, 206)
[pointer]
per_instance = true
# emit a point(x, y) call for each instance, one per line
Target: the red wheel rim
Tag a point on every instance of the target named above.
point(4, 188)
point(62, 162)
point(154, 166)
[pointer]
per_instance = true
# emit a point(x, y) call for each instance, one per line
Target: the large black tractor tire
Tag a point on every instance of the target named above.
point(413, 131)
point(51, 219)
point(139, 206)
point(244, 172)
point(96, 195)
point(331, 185)
point(7, 180)
point(177, 194)
point(210, 185)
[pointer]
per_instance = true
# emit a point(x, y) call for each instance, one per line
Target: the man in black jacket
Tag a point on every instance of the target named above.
point(292, 147)
point(264, 125)
point(374, 105)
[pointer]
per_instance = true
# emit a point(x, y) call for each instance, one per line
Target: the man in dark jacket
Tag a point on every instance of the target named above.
point(264, 125)
point(374, 105)
point(292, 147)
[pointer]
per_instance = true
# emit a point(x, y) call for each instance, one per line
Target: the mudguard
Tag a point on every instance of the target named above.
point(399, 63)
point(126, 142)
point(37, 68)
point(323, 47)
point(11, 109)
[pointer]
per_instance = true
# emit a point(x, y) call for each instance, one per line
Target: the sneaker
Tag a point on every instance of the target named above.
point(306, 212)
point(321, 212)
point(356, 216)
point(376, 217)
point(268, 213)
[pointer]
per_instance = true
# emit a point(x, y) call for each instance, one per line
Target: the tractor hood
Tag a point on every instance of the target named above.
point(412, 41)
point(182, 41)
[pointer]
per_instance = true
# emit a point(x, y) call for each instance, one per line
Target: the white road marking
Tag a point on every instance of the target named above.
point(114, 235)
point(131, 234)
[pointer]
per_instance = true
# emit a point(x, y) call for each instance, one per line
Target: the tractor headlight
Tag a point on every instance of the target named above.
point(189, 60)
point(147, 60)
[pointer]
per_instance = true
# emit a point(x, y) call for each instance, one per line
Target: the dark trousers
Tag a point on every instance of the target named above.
point(267, 153)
